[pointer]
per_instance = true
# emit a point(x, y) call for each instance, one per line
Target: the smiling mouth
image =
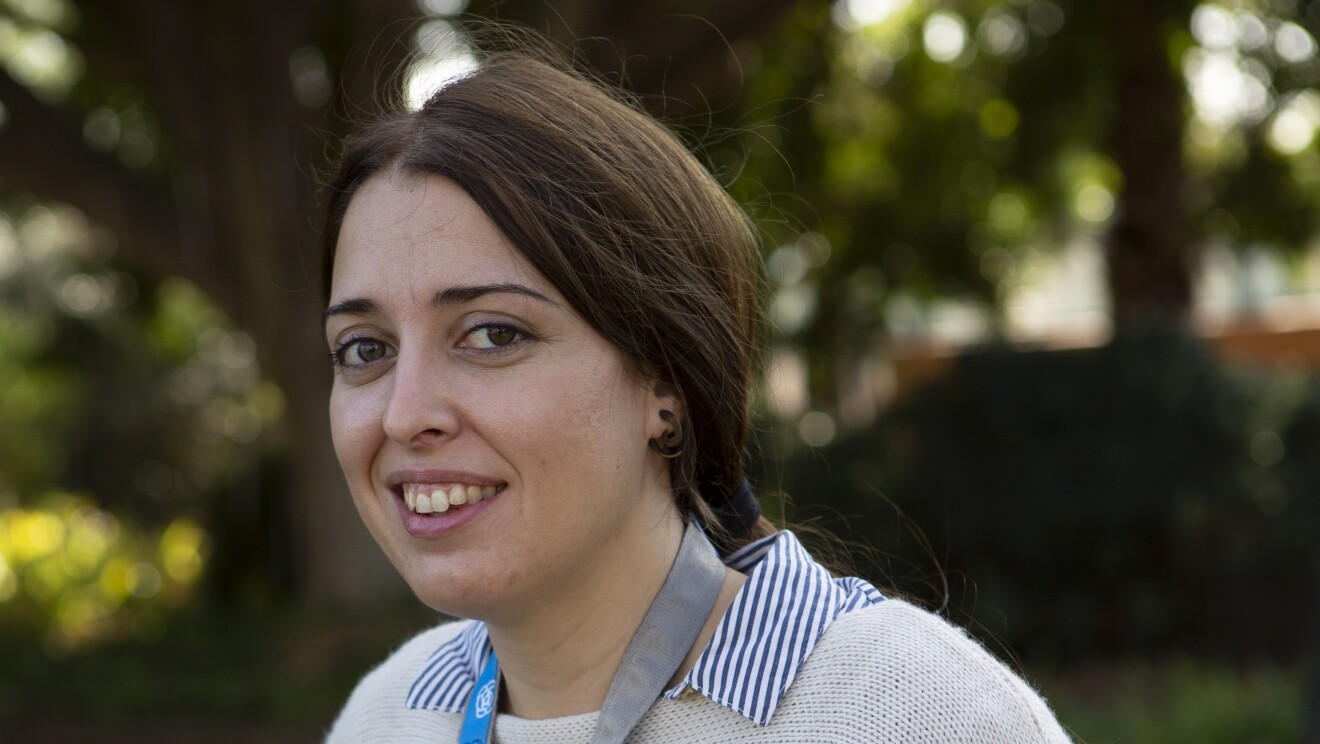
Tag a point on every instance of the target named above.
point(434, 498)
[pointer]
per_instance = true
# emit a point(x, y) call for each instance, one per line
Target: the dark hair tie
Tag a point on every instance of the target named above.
point(741, 512)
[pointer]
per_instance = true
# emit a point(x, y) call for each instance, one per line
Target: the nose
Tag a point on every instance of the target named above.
point(419, 412)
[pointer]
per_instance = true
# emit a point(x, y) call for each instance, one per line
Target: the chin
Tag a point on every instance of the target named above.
point(474, 595)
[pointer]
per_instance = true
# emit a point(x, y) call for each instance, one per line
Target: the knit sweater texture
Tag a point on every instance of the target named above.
point(887, 673)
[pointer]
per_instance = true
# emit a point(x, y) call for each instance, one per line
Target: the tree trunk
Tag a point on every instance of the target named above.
point(1150, 251)
point(243, 158)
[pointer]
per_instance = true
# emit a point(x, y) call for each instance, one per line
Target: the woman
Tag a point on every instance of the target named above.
point(542, 315)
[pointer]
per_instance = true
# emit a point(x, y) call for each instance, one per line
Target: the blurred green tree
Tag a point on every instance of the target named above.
point(195, 133)
point(935, 147)
point(929, 144)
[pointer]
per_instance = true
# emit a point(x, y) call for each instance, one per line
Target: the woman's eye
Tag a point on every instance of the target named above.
point(361, 351)
point(494, 336)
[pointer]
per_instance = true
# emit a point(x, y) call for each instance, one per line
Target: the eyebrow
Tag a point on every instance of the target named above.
point(350, 307)
point(444, 298)
point(459, 295)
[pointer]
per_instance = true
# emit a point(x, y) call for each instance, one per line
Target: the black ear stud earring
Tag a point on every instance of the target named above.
point(670, 444)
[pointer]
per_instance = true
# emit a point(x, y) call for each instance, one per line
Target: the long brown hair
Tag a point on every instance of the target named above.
point(615, 212)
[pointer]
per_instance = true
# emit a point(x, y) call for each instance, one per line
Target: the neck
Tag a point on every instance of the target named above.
point(561, 659)
point(558, 658)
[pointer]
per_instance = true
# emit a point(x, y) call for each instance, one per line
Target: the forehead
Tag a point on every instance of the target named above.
point(422, 231)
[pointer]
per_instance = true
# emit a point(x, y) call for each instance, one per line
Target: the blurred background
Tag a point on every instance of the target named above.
point(1044, 276)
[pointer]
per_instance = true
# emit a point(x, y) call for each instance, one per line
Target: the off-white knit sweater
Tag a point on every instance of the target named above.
point(887, 673)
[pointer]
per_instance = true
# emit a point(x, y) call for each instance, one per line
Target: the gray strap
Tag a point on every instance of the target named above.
point(670, 628)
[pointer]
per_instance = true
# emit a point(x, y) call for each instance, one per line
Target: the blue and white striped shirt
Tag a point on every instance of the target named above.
point(765, 636)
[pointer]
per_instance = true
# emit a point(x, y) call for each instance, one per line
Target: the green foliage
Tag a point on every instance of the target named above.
point(75, 575)
point(126, 409)
point(1104, 500)
point(210, 664)
point(932, 172)
point(184, 314)
point(1188, 703)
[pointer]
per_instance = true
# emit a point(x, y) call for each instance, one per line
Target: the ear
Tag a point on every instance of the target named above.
point(662, 397)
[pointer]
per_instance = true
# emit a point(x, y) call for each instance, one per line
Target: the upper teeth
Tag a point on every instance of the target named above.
point(425, 498)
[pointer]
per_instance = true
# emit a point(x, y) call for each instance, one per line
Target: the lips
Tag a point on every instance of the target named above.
point(433, 498)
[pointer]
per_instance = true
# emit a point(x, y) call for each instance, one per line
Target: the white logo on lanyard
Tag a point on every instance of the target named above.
point(486, 699)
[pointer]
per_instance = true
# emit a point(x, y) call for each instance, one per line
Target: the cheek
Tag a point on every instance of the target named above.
point(582, 420)
point(354, 429)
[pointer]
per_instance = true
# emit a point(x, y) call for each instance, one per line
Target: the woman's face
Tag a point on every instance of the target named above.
point(464, 376)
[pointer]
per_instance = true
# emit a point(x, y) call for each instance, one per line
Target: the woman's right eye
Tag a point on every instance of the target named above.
point(358, 352)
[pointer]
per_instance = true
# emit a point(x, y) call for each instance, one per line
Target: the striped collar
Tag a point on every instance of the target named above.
point(765, 636)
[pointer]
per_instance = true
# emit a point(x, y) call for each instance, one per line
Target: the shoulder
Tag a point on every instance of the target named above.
point(375, 711)
point(910, 674)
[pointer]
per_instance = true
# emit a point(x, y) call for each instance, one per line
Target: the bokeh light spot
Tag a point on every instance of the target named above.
point(1267, 448)
point(793, 307)
point(1294, 124)
point(8, 581)
point(1214, 27)
point(181, 548)
point(1094, 203)
point(102, 129)
point(442, 7)
point(945, 36)
point(854, 14)
point(34, 534)
point(1008, 212)
point(310, 77)
point(114, 578)
point(1001, 34)
point(786, 266)
point(443, 58)
point(143, 580)
point(816, 428)
point(998, 118)
point(1293, 44)
point(1045, 18)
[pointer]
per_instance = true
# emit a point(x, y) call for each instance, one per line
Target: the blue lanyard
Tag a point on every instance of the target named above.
point(479, 717)
point(669, 629)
